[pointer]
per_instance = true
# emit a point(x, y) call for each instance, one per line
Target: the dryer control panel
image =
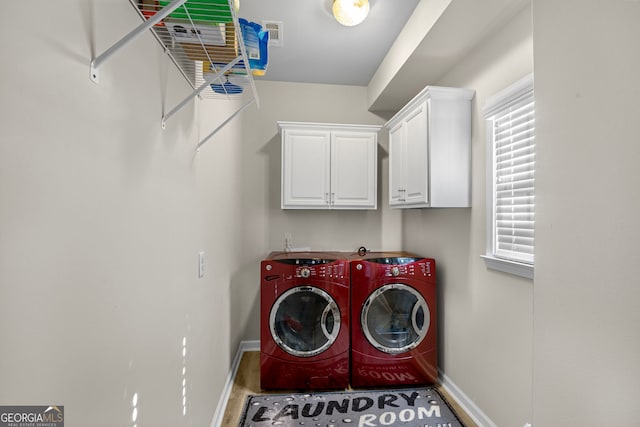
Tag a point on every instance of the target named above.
point(401, 266)
point(422, 268)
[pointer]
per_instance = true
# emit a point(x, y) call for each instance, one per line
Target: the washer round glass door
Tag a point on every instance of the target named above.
point(304, 321)
point(395, 318)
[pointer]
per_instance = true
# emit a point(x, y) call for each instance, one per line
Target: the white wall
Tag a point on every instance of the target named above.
point(485, 316)
point(586, 293)
point(265, 223)
point(102, 215)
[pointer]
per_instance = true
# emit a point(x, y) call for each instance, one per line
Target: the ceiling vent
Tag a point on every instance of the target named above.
point(275, 32)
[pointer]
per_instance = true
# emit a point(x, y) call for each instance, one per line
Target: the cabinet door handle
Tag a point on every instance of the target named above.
point(326, 198)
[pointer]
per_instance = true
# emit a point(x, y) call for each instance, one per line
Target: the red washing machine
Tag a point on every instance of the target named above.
point(304, 326)
point(393, 320)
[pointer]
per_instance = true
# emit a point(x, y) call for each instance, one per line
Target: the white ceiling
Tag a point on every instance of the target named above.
point(317, 49)
point(402, 46)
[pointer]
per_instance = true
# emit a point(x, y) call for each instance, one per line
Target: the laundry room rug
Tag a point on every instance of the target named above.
point(420, 407)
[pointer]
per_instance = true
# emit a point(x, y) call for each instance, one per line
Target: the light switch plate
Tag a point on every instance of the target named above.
point(201, 264)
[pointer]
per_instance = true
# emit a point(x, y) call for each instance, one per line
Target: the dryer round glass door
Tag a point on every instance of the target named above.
point(395, 318)
point(304, 321)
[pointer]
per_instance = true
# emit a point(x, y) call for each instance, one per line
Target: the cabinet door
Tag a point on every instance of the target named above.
point(305, 169)
point(353, 170)
point(417, 157)
point(397, 164)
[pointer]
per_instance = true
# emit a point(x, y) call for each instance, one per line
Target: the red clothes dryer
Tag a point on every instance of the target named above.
point(393, 320)
point(304, 336)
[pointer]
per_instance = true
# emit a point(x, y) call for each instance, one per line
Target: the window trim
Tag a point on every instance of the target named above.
point(508, 266)
point(501, 100)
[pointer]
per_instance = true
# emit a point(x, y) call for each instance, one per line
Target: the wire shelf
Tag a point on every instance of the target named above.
point(202, 37)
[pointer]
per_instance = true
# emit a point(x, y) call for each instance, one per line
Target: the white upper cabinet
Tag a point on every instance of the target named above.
point(329, 166)
point(430, 150)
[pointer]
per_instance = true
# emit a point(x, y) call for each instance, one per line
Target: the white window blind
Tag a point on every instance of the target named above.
point(514, 184)
point(511, 128)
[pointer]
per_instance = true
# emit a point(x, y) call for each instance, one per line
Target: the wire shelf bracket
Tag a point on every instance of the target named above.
point(221, 125)
point(146, 25)
point(202, 87)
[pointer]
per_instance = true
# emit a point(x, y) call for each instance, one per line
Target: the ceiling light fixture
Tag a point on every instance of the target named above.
point(350, 12)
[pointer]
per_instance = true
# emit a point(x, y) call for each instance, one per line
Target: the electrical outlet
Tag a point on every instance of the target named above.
point(201, 264)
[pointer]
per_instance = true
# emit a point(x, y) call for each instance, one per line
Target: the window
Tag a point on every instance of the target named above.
point(510, 121)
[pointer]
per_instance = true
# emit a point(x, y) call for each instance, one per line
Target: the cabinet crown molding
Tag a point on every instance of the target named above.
point(435, 92)
point(338, 126)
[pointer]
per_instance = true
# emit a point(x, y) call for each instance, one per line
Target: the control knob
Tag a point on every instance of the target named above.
point(395, 271)
point(305, 272)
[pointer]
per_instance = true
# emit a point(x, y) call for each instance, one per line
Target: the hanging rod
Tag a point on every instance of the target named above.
point(221, 125)
point(149, 23)
point(202, 87)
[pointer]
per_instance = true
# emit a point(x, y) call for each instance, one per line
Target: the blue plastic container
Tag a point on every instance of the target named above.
point(256, 43)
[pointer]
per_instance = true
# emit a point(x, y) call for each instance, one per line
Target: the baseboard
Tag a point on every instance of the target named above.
point(226, 391)
point(479, 417)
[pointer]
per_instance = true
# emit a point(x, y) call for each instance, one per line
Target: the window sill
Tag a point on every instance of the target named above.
point(511, 267)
